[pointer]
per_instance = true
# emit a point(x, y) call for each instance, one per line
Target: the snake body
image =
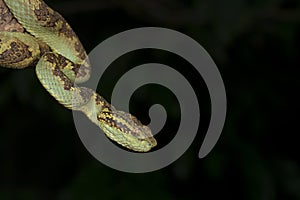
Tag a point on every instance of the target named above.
point(50, 44)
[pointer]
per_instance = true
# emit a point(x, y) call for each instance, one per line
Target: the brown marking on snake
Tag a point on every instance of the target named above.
point(113, 119)
point(124, 128)
point(62, 61)
point(81, 52)
point(46, 15)
point(76, 68)
point(54, 59)
point(126, 117)
point(103, 103)
point(67, 83)
point(66, 29)
point(83, 69)
point(7, 20)
point(43, 48)
point(17, 52)
point(80, 70)
point(106, 117)
point(52, 19)
point(55, 22)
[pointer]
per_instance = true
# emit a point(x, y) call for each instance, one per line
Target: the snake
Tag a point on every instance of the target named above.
point(48, 43)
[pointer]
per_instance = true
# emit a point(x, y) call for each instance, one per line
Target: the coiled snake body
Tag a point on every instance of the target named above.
point(50, 44)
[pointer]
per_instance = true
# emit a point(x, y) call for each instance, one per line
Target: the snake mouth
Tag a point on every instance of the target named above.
point(126, 130)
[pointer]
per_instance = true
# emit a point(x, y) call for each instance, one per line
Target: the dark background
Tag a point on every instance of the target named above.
point(255, 45)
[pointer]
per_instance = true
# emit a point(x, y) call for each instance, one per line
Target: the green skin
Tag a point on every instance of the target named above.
point(51, 44)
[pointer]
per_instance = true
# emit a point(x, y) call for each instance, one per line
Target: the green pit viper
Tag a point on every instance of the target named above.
point(49, 43)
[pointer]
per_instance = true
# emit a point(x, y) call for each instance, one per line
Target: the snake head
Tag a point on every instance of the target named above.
point(126, 130)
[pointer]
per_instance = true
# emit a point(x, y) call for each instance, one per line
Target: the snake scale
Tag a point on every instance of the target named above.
point(49, 43)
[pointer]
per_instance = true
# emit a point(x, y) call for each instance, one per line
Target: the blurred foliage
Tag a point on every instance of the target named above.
point(254, 43)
